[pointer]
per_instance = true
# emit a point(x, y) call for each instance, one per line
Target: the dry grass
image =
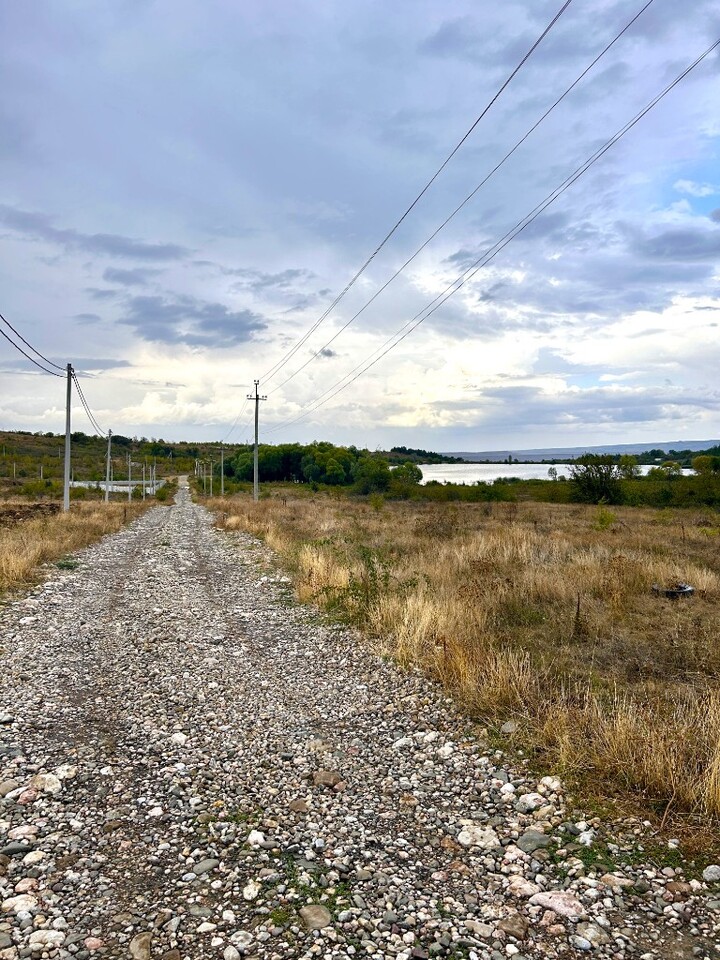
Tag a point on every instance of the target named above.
point(24, 546)
point(543, 613)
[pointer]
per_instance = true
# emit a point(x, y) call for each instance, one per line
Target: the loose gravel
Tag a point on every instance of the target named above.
point(193, 766)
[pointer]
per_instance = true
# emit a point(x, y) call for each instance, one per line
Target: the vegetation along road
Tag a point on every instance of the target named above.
point(195, 766)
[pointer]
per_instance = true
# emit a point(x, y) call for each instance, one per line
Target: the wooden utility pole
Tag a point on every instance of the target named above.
point(257, 398)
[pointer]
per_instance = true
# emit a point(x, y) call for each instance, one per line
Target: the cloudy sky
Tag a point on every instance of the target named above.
point(184, 189)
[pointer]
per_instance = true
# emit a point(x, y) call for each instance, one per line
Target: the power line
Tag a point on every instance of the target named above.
point(27, 355)
point(293, 350)
point(34, 350)
point(95, 425)
point(235, 421)
point(467, 199)
point(491, 253)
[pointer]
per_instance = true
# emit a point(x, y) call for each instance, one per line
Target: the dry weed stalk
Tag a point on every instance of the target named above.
point(535, 612)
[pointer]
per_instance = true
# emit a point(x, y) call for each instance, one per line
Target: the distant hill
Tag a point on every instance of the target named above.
point(571, 453)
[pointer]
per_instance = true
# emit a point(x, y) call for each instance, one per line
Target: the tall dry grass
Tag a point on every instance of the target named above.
point(24, 546)
point(541, 613)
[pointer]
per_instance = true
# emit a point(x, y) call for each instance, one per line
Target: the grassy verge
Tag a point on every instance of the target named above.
point(27, 544)
point(540, 613)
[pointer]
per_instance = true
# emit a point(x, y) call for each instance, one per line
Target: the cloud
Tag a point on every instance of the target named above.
point(98, 293)
point(90, 365)
point(87, 317)
point(326, 352)
point(187, 320)
point(257, 281)
point(688, 244)
point(715, 215)
point(136, 277)
point(38, 226)
point(694, 189)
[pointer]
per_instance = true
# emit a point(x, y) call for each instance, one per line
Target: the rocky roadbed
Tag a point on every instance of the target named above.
point(193, 766)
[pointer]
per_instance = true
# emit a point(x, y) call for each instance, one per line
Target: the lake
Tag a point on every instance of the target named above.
point(472, 472)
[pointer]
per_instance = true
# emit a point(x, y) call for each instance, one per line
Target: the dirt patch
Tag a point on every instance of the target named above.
point(12, 513)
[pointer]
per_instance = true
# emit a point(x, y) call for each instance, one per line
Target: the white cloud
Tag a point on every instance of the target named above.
point(696, 189)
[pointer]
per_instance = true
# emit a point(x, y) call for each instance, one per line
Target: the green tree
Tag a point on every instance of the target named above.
point(408, 472)
point(628, 466)
point(371, 474)
point(596, 479)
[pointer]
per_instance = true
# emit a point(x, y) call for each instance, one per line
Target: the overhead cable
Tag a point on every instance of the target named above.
point(293, 350)
point(27, 355)
point(91, 417)
point(490, 253)
point(317, 353)
point(34, 350)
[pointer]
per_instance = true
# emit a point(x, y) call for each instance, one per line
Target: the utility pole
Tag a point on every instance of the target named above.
point(66, 478)
point(211, 477)
point(107, 467)
point(143, 481)
point(129, 477)
point(222, 470)
point(257, 398)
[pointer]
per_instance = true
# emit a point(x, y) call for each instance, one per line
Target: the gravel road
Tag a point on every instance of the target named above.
point(193, 766)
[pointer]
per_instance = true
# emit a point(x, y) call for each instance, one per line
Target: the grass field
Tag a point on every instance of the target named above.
point(540, 613)
point(25, 544)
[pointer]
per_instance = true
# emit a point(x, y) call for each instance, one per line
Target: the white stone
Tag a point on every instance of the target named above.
point(20, 904)
point(711, 874)
point(552, 784)
point(475, 836)
point(560, 902)
point(35, 856)
point(46, 939)
point(47, 782)
point(529, 802)
point(447, 750)
point(522, 887)
point(179, 738)
point(251, 890)
point(66, 771)
point(256, 838)
point(230, 953)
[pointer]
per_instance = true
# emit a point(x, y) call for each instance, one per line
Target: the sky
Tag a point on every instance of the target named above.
point(185, 189)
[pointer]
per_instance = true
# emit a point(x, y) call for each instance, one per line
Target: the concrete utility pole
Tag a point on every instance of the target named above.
point(211, 477)
point(66, 478)
point(257, 398)
point(222, 470)
point(107, 467)
point(143, 481)
point(129, 477)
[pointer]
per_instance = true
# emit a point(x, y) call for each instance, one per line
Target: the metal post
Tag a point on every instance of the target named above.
point(222, 471)
point(129, 477)
point(107, 467)
point(66, 478)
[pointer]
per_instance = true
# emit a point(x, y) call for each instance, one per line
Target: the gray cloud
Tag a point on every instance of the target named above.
point(187, 320)
point(99, 293)
point(136, 277)
point(38, 226)
point(681, 244)
point(715, 215)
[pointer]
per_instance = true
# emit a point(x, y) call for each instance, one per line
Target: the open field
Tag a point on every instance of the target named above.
point(27, 543)
point(539, 613)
